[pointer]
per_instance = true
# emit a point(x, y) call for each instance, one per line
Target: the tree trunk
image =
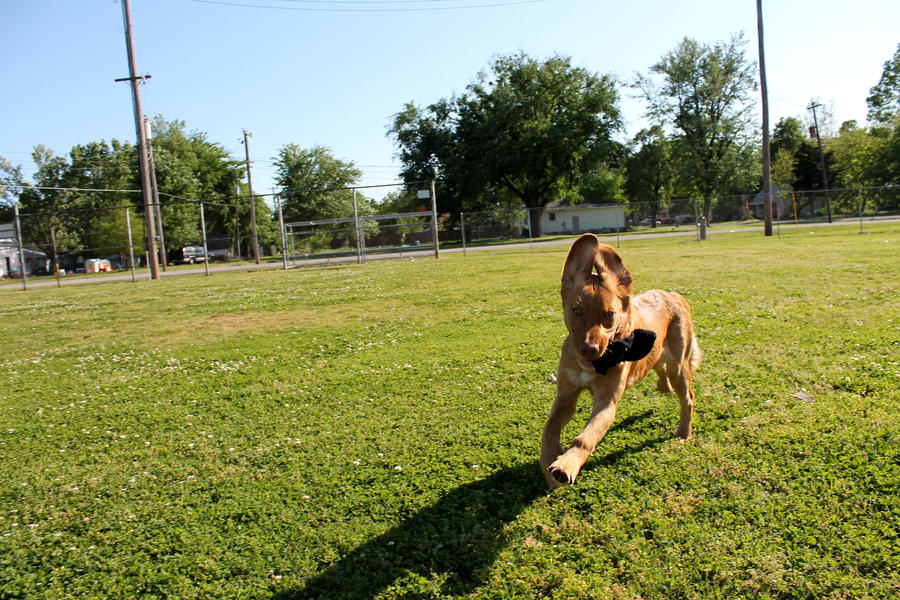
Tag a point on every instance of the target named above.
point(534, 216)
point(707, 210)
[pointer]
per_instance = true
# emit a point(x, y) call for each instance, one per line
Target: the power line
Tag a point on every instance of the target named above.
point(422, 9)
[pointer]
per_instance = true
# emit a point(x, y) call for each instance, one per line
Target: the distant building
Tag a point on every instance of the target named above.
point(562, 218)
point(757, 206)
point(35, 261)
point(785, 203)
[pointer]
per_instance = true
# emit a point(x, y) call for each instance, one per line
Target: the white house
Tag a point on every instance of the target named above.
point(560, 217)
point(9, 254)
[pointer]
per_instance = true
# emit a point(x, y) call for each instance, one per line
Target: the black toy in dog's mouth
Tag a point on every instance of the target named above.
point(634, 347)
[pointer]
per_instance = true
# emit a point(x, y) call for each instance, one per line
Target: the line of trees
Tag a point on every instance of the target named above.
point(525, 132)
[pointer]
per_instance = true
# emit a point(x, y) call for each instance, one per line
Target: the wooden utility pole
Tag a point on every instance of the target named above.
point(142, 142)
point(237, 225)
point(155, 191)
point(19, 245)
point(766, 151)
point(813, 106)
point(434, 220)
point(252, 203)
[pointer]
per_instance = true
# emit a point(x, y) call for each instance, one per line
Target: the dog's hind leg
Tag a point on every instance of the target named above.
point(682, 384)
point(686, 399)
point(662, 383)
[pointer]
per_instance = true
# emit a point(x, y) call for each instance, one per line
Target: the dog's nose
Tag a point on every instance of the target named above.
point(590, 349)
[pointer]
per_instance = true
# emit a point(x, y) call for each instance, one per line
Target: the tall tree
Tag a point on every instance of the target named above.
point(884, 114)
point(526, 130)
point(93, 221)
point(188, 165)
point(650, 169)
point(11, 179)
point(703, 95)
point(788, 135)
point(302, 175)
point(884, 97)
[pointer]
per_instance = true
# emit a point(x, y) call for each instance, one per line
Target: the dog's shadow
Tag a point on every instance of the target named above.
point(455, 540)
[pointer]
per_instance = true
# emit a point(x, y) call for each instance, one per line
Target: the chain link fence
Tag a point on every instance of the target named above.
point(51, 244)
point(405, 221)
point(106, 239)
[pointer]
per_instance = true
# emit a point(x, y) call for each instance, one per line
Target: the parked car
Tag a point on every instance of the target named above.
point(188, 255)
point(222, 254)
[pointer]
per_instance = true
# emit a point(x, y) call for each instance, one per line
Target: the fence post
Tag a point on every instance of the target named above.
point(293, 250)
point(284, 260)
point(696, 218)
point(203, 231)
point(434, 220)
point(55, 257)
point(356, 225)
point(462, 229)
point(862, 204)
point(19, 246)
point(130, 243)
point(530, 233)
point(796, 216)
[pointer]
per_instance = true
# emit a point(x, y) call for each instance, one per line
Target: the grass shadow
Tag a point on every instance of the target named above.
point(456, 539)
point(616, 455)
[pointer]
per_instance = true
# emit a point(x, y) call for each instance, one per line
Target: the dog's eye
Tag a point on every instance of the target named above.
point(576, 312)
point(610, 314)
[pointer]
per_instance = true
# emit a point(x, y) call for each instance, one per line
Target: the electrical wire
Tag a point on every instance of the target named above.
point(421, 9)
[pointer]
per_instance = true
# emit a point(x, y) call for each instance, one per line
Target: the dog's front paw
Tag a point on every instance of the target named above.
point(561, 473)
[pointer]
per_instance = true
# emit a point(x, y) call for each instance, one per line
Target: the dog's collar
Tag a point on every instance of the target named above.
point(634, 347)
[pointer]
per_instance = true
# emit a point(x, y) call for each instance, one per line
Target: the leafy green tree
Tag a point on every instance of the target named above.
point(303, 175)
point(703, 95)
point(852, 150)
point(884, 115)
point(315, 186)
point(72, 214)
point(602, 184)
point(884, 168)
point(795, 160)
point(808, 168)
point(788, 135)
point(884, 97)
point(11, 180)
point(525, 131)
point(189, 166)
point(649, 170)
point(787, 138)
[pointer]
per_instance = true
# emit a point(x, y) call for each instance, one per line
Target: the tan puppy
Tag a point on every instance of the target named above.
point(601, 315)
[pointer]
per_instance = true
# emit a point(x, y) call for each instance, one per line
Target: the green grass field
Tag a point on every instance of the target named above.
point(372, 431)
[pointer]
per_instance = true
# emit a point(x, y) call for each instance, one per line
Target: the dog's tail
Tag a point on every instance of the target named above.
point(695, 354)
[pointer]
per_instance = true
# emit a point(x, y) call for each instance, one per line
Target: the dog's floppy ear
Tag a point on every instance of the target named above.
point(588, 254)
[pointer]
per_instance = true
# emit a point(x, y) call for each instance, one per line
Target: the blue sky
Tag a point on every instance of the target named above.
point(332, 72)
